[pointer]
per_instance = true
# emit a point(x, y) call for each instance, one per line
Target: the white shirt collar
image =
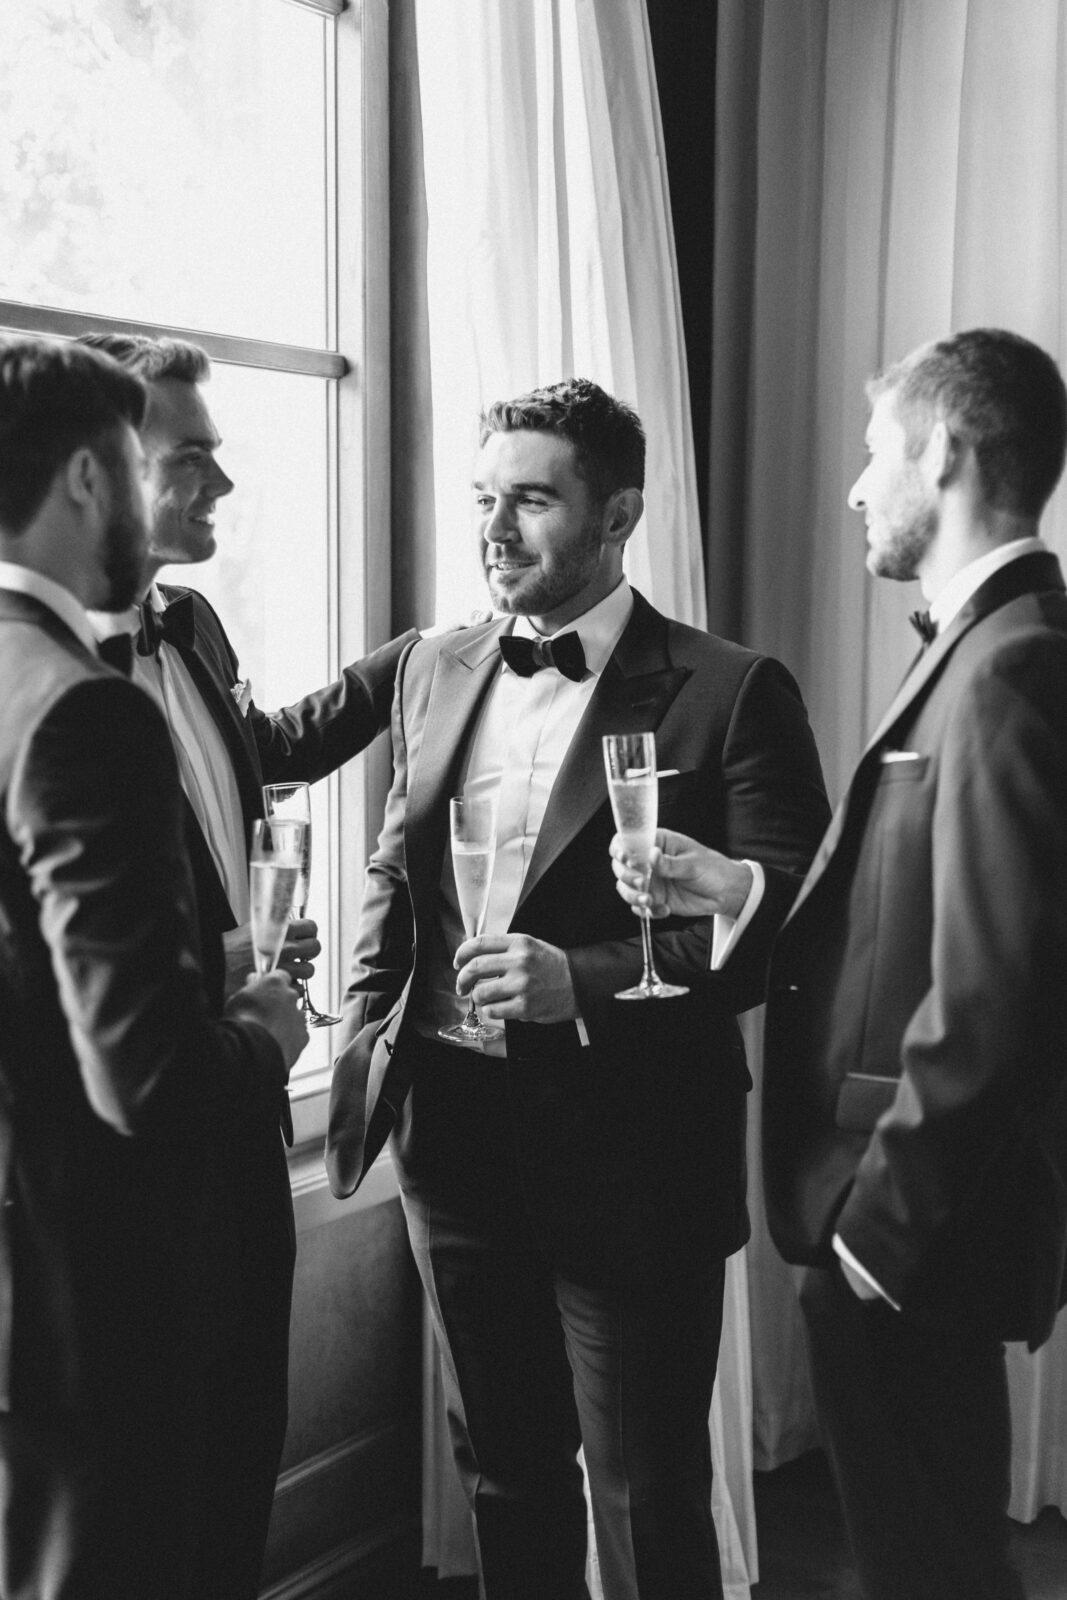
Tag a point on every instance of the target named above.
point(600, 628)
point(106, 624)
point(24, 580)
point(959, 588)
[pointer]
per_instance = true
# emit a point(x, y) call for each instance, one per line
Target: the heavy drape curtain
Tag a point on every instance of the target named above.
point(888, 171)
point(531, 240)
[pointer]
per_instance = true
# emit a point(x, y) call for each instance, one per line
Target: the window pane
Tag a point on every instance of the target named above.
point(165, 162)
point(268, 577)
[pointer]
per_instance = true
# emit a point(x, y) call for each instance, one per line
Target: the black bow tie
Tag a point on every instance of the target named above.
point(527, 656)
point(117, 651)
point(924, 626)
point(176, 625)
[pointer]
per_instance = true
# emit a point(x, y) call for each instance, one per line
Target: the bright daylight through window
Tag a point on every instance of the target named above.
point(174, 164)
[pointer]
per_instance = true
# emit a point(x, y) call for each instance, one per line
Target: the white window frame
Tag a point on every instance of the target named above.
point(354, 364)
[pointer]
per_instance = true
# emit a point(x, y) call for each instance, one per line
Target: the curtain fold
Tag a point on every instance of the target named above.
point(888, 171)
point(550, 254)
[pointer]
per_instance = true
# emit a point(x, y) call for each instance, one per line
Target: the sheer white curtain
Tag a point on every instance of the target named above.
point(890, 170)
point(550, 254)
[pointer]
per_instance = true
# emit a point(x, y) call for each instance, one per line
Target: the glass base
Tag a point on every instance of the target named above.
point(656, 990)
point(471, 1034)
point(320, 1019)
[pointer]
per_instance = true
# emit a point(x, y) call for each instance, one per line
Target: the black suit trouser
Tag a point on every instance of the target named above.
point(914, 1415)
point(537, 1365)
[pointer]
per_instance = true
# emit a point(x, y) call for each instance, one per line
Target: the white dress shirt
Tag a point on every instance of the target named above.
point(204, 763)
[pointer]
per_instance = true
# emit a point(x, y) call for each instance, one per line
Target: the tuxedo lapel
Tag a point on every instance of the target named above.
point(1028, 575)
point(634, 692)
point(210, 674)
point(462, 676)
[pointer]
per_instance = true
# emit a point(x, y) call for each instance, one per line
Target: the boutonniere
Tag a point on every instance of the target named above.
point(242, 693)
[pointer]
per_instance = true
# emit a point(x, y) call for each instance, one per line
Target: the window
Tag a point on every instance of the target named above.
point(197, 168)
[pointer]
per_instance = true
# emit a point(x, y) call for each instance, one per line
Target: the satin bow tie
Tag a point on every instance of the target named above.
point(527, 656)
point(176, 625)
point(117, 651)
point(924, 626)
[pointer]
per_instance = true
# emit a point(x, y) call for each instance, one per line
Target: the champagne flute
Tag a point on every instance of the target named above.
point(472, 822)
point(274, 872)
point(630, 763)
point(293, 800)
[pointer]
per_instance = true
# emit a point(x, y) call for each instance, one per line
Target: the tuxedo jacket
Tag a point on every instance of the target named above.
point(630, 1150)
point(119, 1092)
point(916, 1056)
point(301, 743)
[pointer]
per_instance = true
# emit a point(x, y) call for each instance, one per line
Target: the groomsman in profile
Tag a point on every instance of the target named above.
point(915, 1097)
point(121, 1085)
point(227, 748)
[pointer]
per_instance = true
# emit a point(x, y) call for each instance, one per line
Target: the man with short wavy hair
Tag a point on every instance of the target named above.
point(227, 749)
point(573, 1187)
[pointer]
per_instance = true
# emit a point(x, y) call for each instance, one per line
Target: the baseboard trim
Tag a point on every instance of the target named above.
point(336, 1574)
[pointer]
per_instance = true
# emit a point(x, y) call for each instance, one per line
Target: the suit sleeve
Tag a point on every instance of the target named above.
point(774, 810)
point(309, 740)
point(94, 809)
point(382, 956)
point(985, 1053)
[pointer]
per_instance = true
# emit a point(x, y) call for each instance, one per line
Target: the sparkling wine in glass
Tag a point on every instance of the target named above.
point(472, 819)
point(630, 763)
point(293, 800)
point(274, 870)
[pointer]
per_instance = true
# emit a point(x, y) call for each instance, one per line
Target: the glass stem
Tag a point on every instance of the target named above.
point(648, 976)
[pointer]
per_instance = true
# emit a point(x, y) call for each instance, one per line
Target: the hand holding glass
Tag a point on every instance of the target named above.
point(630, 764)
point(293, 801)
point(275, 866)
point(472, 820)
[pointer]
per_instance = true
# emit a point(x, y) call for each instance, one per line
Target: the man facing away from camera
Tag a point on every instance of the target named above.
point(121, 1085)
point(572, 1189)
point(915, 1101)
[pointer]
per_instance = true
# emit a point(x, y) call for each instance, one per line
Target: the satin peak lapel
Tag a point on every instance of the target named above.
point(636, 688)
point(462, 677)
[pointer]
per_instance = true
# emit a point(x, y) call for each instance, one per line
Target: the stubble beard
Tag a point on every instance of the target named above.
point(571, 573)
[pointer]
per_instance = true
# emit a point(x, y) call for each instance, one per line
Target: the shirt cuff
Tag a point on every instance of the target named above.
point(727, 930)
point(846, 1255)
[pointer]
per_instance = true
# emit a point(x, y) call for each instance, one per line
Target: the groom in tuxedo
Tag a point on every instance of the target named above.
point(573, 1189)
point(915, 1094)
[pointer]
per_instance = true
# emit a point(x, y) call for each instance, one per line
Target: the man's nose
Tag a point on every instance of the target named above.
point(499, 526)
point(857, 499)
point(220, 483)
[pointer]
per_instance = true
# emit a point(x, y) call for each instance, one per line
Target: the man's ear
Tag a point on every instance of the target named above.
point(83, 477)
point(943, 455)
point(623, 513)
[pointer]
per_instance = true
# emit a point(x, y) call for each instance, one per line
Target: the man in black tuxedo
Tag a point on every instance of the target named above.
point(120, 1085)
point(573, 1192)
point(227, 749)
point(915, 1103)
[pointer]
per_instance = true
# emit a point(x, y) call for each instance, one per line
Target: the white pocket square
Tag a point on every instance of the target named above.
point(900, 755)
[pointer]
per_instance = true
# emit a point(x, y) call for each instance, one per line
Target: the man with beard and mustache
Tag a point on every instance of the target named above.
point(915, 1074)
point(573, 1190)
point(227, 749)
point(120, 1085)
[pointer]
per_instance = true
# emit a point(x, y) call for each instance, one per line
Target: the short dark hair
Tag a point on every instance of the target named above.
point(55, 398)
point(153, 359)
point(605, 433)
point(998, 393)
